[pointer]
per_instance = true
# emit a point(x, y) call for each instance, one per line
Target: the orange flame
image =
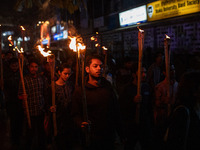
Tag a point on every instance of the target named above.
point(19, 51)
point(96, 45)
point(92, 38)
point(167, 37)
point(139, 28)
point(81, 47)
point(72, 44)
point(45, 54)
point(104, 48)
point(10, 40)
point(23, 29)
point(16, 48)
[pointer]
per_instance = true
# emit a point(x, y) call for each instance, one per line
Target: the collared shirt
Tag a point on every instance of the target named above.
point(36, 90)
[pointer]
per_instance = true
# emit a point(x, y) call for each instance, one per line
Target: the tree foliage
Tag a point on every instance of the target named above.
point(70, 5)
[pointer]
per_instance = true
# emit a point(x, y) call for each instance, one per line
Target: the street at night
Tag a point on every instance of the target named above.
point(99, 74)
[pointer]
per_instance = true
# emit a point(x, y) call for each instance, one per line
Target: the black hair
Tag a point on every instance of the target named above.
point(188, 85)
point(63, 66)
point(134, 68)
point(9, 52)
point(158, 54)
point(33, 60)
point(128, 59)
point(13, 60)
point(90, 57)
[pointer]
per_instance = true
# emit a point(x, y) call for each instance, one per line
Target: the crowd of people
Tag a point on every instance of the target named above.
point(104, 111)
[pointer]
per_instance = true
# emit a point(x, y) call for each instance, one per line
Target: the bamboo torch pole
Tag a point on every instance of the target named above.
point(97, 39)
point(23, 33)
point(1, 61)
point(105, 60)
point(20, 61)
point(51, 60)
point(84, 100)
point(167, 64)
point(140, 50)
point(77, 66)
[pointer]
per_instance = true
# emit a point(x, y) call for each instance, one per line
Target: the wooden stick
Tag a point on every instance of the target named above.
point(20, 60)
point(77, 66)
point(23, 42)
point(167, 64)
point(2, 86)
point(140, 48)
point(84, 102)
point(105, 63)
point(52, 66)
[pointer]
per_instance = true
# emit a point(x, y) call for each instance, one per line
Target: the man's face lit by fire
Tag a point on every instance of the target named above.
point(95, 68)
point(33, 68)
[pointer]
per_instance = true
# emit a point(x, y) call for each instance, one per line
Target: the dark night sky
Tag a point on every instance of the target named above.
point(6, 6)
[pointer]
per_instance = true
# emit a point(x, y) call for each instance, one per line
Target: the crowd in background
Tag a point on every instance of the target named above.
point(115, 113)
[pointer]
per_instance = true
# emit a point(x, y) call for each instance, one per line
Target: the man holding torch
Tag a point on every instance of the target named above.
point(137, 131)
point(36, 95)
point(13, 105)
point(102, 107)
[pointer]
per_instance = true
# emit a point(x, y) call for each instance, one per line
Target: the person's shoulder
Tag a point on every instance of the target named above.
point(70, 84)
point(145, 85)
point(27, 76)
point(160, 84)
point(181, 110)
point(152, 66)
point(105, 82)
point(42, 76)
point(77, 89)
point(176, 84)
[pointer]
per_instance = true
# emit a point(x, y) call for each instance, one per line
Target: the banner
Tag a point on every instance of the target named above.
point(163, 9)
point(133, 16)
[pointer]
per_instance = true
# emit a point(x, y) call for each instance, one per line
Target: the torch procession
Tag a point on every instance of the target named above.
point(20, 61)
point(99, 74)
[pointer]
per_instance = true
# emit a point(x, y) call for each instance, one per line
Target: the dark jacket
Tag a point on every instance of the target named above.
point(102, 108)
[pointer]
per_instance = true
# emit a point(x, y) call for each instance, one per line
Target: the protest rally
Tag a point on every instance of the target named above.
point(100, 75)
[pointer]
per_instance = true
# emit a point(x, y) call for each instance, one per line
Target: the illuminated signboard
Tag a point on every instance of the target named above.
point(133, 16)
point(60, 36)
point(44, 34)
point(170, 8)
point(45, 41)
